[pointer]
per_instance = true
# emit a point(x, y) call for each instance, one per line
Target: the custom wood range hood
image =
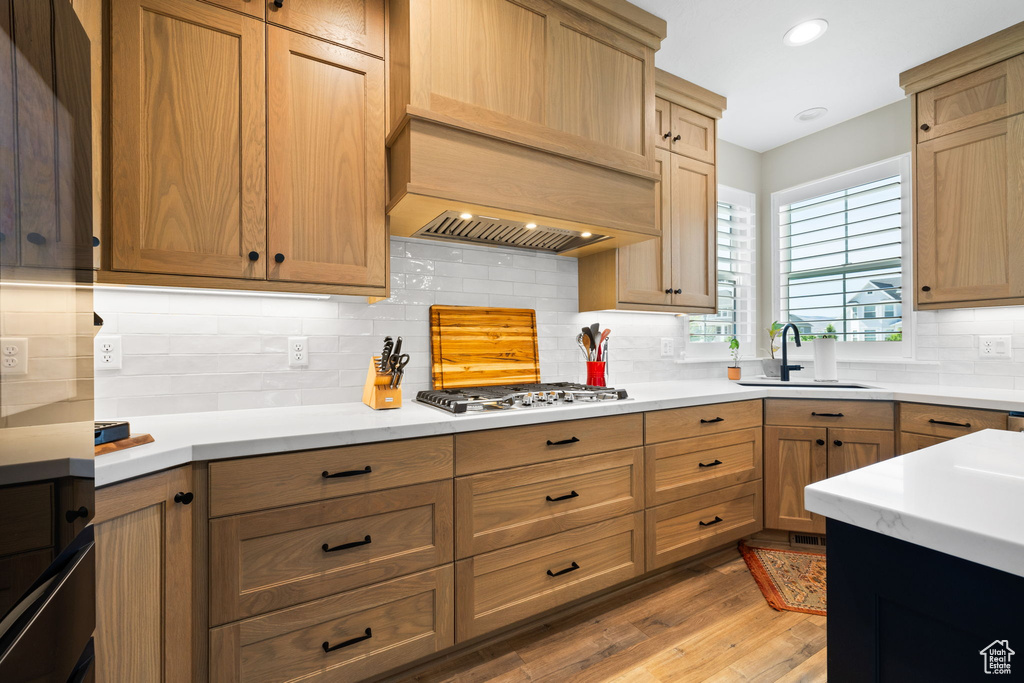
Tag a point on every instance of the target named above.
point(526, 124)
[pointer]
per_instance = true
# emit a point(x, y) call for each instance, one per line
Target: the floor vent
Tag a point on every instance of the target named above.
point(807, 539)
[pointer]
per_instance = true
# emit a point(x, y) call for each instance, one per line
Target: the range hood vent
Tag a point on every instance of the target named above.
point(497, 232)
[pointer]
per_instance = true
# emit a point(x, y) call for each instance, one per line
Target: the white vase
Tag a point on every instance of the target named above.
point(825, 369)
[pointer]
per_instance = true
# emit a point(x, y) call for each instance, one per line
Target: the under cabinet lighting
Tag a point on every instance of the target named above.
point(805, 32)
point(219, 292)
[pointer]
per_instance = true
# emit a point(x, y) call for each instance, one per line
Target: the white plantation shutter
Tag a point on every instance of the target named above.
point(840, 261)
point(736, 303)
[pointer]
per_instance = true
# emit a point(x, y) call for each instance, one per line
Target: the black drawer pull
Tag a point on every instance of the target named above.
point(716, 463)
point(72, 515)
point(965, 425)
point(346, 546)
point(827, 414)
point(184, 498)
point(568, 569)
point(346, 473)
point(571, 494)
point(716, 520)
point(351, 641)
point(707, 422)
point(563, 441)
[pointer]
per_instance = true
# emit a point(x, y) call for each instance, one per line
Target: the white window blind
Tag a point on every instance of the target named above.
point(840, 262)
point(735, 316)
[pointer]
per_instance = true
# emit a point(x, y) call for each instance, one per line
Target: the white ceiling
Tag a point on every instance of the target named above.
point(734, 48)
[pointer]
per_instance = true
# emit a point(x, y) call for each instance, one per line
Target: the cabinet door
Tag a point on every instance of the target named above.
point(970, 214)
point(979, 97)
point(910, 442)
point(662, 123)
point(357, 24)
point(693, 241)
point(188, 142)
point(8, 150)
point(693, 134)
point(645, 268)
point(851, 449)
point(326, 163)
point(144, 580)
point(793, 458)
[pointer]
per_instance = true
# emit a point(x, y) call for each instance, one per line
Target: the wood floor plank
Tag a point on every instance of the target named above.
point(777, 657)
point(813, 670)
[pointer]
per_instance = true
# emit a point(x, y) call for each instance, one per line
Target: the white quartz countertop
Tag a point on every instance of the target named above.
point(964, 497)
point(188, 437)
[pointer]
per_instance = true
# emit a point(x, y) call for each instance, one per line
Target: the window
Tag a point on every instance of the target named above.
point(736, 303)
point(840, 254)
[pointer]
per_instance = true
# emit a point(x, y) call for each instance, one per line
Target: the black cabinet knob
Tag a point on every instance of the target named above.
point(667, 135)
point(837, 442)
point(925, 127)
point(926, 288)
point(677, 291)
point(677, 138)
point(95, 241)
point(668, 291)
point(72, 515)
point(183, 498)
point(35, 238)
point(820, 442)
point(254, 256)
point(279, 258)
point(278, 4)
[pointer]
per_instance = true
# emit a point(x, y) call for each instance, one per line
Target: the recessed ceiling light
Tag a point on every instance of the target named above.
point(585, 234)
point(465, 216)
point(531, 226)
point(811, 114)
point(805, 32)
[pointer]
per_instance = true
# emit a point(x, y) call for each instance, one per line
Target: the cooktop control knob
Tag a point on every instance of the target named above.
point(527, 399)
point(568, 398)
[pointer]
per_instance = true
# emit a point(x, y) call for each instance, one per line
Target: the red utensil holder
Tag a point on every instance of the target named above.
point(595, 373)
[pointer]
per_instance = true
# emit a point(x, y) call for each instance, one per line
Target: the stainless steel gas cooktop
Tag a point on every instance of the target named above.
point(517, 396)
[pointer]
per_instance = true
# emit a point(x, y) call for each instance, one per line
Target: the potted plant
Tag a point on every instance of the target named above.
point(825, 356)
point(734, 350)
point(772, 367)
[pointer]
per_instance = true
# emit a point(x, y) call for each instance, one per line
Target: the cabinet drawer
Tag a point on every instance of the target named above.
point(358, 24)
point(910, 442)
point(406, 619)
point(680, 469)
point(948, 421)
point(499, 448)
point(29, 511)
point(981, 96)
point(264, 561)
point(683, 423)
point(290, 478)
point(685, 528)
point(498, 509)
point(814, 413)
point(504, 586)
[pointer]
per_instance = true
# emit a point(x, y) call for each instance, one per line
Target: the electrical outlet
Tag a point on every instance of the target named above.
point(14, 356)
point(107, 353)
point(995, 347)
point(667, 350)
point(298, 352)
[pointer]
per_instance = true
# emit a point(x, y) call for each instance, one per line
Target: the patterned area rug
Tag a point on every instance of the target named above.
point(789, 579)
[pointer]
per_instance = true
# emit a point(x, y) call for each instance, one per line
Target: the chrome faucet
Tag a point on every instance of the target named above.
point(786, 367)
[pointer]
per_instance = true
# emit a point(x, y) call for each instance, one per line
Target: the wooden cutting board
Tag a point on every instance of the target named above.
point(472, 346)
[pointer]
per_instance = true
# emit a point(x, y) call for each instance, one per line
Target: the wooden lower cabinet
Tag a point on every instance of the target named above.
point(910, 442)
point(344, 637)
point(508, 585)
point(851, 449)
point(680, 530)
point(684, 468)
point(144, 558)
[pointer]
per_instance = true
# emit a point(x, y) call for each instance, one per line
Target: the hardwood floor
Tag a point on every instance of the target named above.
point(705, 622)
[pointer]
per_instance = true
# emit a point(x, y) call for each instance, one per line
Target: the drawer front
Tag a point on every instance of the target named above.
point(948, 421)
point(499, 509)
point(683, 423)
point(680, 469)
point(505, 586)
point(500, 448)
point(910, 442)
point(28, 510)
point(406, 619)
point(688, 527)
point(264, 561)
point(290, 478)
point(813, 413)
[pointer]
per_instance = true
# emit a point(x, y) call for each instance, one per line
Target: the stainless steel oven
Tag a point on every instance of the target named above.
point(47, 569)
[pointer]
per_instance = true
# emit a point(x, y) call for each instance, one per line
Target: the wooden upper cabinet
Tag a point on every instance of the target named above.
point(662, 123)
point(188, 140)
point(326, 163)
point(358, 24)
point(694, 243)
point(980, 97)
point(970, 215)
point(693, 134)
point(254, 8)
point(645, 268)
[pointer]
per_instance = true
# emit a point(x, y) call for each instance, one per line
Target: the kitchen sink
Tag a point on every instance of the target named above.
point(804, 385)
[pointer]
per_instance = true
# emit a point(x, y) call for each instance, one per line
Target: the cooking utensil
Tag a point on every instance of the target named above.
point(586, 344)
point(579, 341)
point(595, 334)
point(398, 364)
point(602, 345)
point(385, 354)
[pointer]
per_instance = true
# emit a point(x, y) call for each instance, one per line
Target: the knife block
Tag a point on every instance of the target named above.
point(377, 392)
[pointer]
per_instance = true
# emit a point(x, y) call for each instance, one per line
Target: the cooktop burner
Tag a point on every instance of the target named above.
point(510, 396)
